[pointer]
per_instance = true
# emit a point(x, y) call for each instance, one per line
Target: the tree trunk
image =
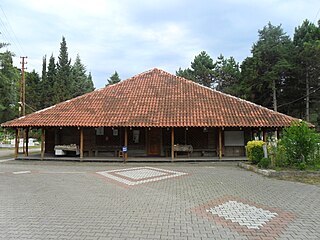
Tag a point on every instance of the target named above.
point(307, 98)
point(274, 93)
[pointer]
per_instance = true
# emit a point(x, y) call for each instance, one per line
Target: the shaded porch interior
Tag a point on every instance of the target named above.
point(108, 142)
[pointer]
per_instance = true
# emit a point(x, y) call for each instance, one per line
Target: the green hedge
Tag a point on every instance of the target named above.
point(254, 150)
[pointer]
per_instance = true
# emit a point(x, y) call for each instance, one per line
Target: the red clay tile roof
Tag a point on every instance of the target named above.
point(154, 99)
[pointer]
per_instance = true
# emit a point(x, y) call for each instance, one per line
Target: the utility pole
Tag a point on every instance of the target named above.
point(22, 103)
point(22, 107)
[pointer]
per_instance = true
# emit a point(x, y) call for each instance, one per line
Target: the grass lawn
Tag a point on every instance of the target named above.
point(314, 180)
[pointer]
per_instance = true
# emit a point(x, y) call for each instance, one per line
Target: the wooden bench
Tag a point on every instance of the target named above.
point(182, 148)
point(62, 150)
point(112, 149)
point(204, 151)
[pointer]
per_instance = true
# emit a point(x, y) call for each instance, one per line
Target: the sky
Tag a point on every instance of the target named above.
point(133, 36)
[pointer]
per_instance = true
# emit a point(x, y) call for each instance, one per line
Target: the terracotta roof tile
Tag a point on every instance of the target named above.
point(155, 99)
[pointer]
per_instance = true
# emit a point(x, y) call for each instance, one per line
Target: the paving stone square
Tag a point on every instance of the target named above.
point(244, 214)
point(135, 176)
point(73, 200)
point(247, 218)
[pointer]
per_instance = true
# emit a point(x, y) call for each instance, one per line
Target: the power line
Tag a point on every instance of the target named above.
point(8, 36)
point(315, 19)
point(315, 90)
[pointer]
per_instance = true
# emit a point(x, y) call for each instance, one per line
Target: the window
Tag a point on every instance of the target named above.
point(234, 138)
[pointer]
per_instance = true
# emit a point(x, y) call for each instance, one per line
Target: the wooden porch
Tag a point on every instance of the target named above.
point(109, 144)
point(52, 157)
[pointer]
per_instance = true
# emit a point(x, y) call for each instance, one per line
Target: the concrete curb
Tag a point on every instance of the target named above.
point(274, 173)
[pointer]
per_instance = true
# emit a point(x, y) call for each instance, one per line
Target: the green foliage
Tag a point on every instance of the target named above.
point(264, 163)
point(9, 80)
point(47, 84)
point(186, 73)
point(73, 78)
point(306, 40)
point(59, 81)
point(201, 70)
point(302, 166)
point(278, 155)
point(33, 88)
point(300, 143)
point(63, 75)
point(267, 71)
point(254, 150)
point(115, 78)
point(227, 75)
point(81, 82)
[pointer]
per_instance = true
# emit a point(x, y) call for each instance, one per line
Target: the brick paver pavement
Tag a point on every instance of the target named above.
point(59, 200)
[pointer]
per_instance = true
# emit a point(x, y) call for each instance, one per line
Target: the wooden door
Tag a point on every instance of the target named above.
point(154, 141)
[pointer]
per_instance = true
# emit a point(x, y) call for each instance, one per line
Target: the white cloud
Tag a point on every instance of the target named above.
point(133, 36)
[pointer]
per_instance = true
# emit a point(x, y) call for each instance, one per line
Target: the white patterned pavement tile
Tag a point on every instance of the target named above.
point(243, 214)
point(140, 175)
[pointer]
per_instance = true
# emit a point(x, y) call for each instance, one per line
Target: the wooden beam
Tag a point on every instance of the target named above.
point(27, 142)
point(42, 142)
point(23, 141)
point(220, 143)
point(16, 144)
point(126, 143)
point(81, 143)
point(172, 143)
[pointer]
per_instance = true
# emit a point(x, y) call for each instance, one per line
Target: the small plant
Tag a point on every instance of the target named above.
point(302, 166)
point(278, 155)
point(264, 163)
point(254, 150)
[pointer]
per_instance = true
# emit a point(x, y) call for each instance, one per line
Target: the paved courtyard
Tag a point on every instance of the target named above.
point(73, 200)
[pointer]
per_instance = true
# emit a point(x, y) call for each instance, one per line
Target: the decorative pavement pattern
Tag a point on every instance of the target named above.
point(140, 175)
point(43, 200)
point(244, 214)
point(247, 218)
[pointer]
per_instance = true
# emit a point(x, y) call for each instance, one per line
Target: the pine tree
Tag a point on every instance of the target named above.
point(82, 83)
point(113, 79)
point(89, 83)
point(33, 88)
point(63, 84)
point(9, 82)
point(48, 85)
point(227, 75)
point(268, 70)
point(44, 68)
point(307, 65)
point(78, 73)
point(201, 70)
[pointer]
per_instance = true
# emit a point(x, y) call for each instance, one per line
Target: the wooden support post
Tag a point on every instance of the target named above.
point(27, 142)
point(23, 141)
point(81, 143)
point(172, 143)
point(42, 142)
point(126, 143)
point(220, 143)
point(16, 144)
point(264, 135)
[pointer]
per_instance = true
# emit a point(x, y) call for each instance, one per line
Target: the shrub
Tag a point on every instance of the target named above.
point(302, 166)
point(254, 150)
point(277, 153)
point(264, 163)
point(300, 143)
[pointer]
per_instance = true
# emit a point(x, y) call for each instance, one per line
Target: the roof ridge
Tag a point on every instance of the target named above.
point(167, 100)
